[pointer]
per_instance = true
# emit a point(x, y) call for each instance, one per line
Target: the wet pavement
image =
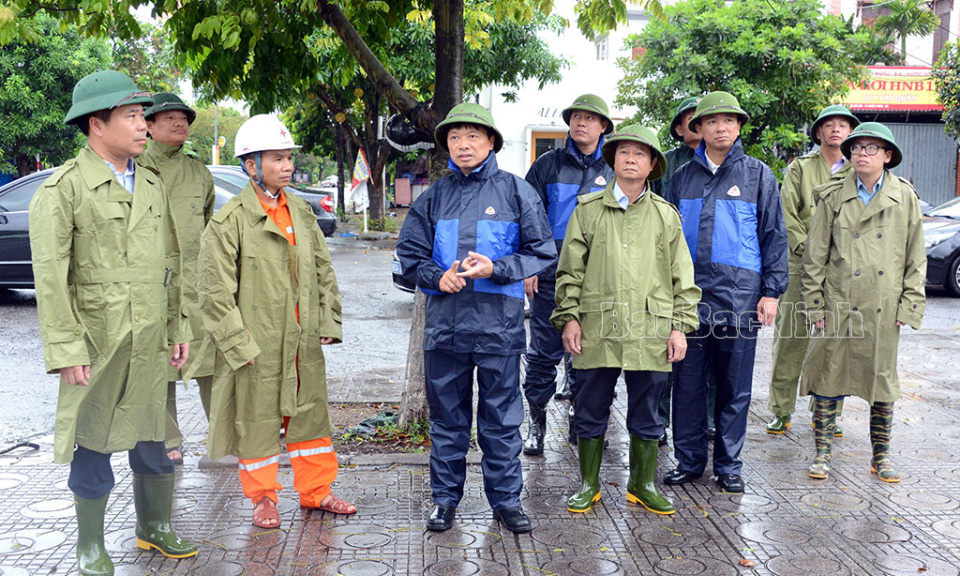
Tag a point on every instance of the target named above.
point(785, 524)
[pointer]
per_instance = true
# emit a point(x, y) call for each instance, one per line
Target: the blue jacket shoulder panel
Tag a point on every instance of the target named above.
point(490, 212)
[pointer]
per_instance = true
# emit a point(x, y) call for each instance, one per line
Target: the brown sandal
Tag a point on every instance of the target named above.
point(265, 514)
point(336, 505)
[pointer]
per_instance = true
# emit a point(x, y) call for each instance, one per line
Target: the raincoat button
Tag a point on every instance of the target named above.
point(857, 235)
point(78, 331)
point(855, 309)
point(857, 273)
point(914, 306)
point(880, 273)
point(255, 265)
point(624, 245)
point(137, 319)
point(879, 234)
point(816, 301)
point(254, 306)
point(242, 335)
point(879, 310)
point(155, 227)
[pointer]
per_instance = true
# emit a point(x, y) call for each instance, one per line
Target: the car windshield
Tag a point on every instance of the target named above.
point(950, 209)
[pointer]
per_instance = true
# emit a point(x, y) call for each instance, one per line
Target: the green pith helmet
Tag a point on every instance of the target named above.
point(687, 104)
point(468, 114)
point(874, 130)
point(718, 103)
point(104, 90)
point(643, 136)
point(830, 112)
point(589, 103)
point(164, 102)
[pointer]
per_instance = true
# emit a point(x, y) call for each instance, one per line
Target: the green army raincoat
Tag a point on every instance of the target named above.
point(189, 187)
point(863, 271)
point(627, 277)
point(108, 296)
point(251, 281)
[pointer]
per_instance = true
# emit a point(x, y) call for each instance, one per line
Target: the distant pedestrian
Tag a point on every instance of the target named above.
point(733, 223)
point(864, 271)
point(270, 302)
point(560, 176)
point(625, 300)
point(468, 242)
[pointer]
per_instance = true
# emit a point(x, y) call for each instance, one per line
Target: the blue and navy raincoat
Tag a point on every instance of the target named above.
point(734, 227)
point(560, 176)
point(491, 212)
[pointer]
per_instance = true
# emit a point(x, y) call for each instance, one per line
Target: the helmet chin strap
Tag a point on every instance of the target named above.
point(258, 179)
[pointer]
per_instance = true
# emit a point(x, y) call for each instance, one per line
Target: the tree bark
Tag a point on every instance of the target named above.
point(25, 165)
point(448, 92)
point(385, 83)
point(339, 152)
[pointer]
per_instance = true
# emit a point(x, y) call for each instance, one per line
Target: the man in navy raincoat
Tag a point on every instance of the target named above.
point(734, 227)
point(468, 243)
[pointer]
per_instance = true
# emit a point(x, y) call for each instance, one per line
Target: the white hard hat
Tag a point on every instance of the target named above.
point(262, 132)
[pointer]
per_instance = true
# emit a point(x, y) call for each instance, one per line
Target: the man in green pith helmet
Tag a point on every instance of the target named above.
point(863, 278)
point(832, 126)
point(468, 243)
point(107, 270)
point(624, 309)
point(560, 176)
point(190, 194)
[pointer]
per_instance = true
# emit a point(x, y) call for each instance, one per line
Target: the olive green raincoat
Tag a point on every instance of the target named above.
point(863, 271)
point(189, 187)
point(627, 277)
point(251, 281)
point(108, 296)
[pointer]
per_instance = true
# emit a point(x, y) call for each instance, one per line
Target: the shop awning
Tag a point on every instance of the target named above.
point(895, 88)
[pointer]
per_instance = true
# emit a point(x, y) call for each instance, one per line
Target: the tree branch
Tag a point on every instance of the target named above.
point(385, 82)
point(335, 109)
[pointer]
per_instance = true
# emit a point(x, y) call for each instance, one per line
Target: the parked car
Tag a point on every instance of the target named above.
point(16, 268)
point(941, 236)
point(234, 180)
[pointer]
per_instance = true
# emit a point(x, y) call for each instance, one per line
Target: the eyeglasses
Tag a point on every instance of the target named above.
point(870, 149)
point(131, 97)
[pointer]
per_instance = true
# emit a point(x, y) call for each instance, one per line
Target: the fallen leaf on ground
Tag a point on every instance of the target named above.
point(747, 563)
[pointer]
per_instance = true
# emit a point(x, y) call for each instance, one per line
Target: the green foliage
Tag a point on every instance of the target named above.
point(908, 18)
point(201, 132)
point(784, 61)
point(149, 60)
point(36, 90)
point(946, 74)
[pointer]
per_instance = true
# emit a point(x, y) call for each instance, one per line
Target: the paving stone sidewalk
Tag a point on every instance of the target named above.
point(785, 524)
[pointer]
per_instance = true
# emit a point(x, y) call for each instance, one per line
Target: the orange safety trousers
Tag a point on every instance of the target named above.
point(314, 464)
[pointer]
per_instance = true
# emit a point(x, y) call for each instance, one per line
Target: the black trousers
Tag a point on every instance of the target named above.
point(91, 475)
point(594, 396)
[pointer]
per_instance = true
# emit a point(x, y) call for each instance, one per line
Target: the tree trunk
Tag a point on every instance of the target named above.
point(25, 165)
point(338, 152)
point(448, 92)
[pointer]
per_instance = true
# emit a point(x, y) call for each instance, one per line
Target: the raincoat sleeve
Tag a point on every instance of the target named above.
point(218, 281)
point(537, 249)
point(331, 317)
point(535, 179)
point(415, 247)
point(51, 241)
point(913, 299)
point(772, 233)
point(796, 209)
point(178, 327)
point(209, 197)
point(814, 270)
point(686, 293)
point(570, 271)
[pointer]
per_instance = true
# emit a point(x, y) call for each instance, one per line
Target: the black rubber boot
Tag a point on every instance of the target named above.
point(533, 445)
point(91, 554)
point(153, 499)
point(571, 436)
point(564, 392)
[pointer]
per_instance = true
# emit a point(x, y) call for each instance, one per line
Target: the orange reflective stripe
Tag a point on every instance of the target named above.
point(258, 477)
point(315, 468)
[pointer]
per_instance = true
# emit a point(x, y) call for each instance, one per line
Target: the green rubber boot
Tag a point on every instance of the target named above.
point(91, 554)
point(779, 425)
point(643, 468)
point(153, 499)
point(591, 453)
point(824, 422)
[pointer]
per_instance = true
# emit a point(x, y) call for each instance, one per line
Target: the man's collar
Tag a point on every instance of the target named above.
point(621, 198)
point(876, 187)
